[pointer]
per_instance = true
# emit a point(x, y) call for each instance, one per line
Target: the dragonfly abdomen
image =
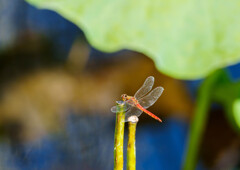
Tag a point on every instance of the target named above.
point(148, 112)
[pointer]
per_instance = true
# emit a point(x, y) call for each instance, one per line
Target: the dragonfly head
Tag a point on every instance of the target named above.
point(124, 97)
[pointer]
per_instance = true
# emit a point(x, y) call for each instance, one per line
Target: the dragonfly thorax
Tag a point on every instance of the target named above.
point(132, 101)
point(129, 99)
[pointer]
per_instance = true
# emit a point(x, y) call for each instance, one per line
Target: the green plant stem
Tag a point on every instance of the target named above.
point(131, 148)
point(119, 137)
point(199, 121)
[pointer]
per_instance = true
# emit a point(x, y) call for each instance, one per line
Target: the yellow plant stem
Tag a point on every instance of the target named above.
point(131, 148)
point(119, 137)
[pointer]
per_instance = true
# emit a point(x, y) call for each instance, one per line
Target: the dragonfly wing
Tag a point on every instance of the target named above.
point(146, 87)
point(133, 111)
point(114, 109)
point(151, 98)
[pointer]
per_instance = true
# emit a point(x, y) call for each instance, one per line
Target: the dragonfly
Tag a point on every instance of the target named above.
point(143, 99)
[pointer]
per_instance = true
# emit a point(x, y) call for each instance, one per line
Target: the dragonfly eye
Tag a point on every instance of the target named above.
point(124, 96)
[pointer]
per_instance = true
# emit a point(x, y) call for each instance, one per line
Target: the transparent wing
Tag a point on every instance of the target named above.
point(146, 87)
point(151, 98)
point(132, 111)
point(114, 108)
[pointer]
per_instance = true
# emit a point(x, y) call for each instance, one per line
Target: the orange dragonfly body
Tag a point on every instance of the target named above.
point(137, 104)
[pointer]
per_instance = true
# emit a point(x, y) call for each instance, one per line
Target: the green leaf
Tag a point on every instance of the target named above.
point(227, 93)
point(236, 111)
point(186, 39)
